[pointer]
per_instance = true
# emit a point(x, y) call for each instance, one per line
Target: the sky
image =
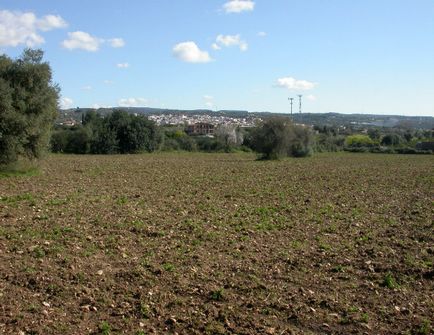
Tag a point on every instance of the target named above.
point(344, 56)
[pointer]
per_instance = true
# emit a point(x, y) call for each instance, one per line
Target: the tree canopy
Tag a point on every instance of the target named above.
point(28, 106)
point(118, 132)
point(278, 137)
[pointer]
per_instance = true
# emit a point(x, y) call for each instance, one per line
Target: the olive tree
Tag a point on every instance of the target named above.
point(278, 137)
point(28, 106)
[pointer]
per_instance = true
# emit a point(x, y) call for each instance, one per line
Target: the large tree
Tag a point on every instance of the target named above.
point(28, 106)
point(278, 137)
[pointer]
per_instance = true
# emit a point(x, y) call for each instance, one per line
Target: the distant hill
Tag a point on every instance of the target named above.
point(320, 119)
point(336, 119)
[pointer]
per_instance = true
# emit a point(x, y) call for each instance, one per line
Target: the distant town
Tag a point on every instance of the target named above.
point(185, 119)
point(173, 117)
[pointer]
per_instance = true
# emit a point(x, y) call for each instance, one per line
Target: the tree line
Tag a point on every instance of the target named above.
point(121, 132)
point(29, 107)
point(118, 132)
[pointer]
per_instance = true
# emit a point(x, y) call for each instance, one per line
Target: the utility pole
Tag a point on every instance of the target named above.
point(291, 101)
point(299, 99)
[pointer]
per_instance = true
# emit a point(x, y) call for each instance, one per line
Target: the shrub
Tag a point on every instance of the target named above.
point(358, 141)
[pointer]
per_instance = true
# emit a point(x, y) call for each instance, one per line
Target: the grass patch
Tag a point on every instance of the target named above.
point(19, 169)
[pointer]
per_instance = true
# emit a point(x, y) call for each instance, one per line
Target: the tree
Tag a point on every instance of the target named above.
point(28, 106)
point(279, 137)
point(118, 132)
point(391, 140)
point(229, 135)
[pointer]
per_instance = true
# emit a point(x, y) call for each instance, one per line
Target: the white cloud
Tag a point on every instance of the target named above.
point(87, 88)
point(132, 102)
point(209, 101)
point(18, 28)
point(116, 42)
point(294, 84)
point(238, 6)
point(85, 41)
point(123, 65)
point(98, 106)
point(189, 52)
point(50, 22)
point(82, 40)
point(230, 40)
point(108, 82)
point(215, 46)
point(311, 97)
point(262, 34)
point(66, 103)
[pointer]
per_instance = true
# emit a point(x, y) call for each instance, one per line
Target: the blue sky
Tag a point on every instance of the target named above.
point(370, 56)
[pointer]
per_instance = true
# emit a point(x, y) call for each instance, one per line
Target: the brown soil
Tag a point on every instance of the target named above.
point(219, 244)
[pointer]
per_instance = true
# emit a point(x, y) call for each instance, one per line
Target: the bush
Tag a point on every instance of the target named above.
point(358, 141)
point(209, 144)
point(325, 142)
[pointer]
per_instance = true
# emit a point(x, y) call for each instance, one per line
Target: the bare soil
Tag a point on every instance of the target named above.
point(219, 244)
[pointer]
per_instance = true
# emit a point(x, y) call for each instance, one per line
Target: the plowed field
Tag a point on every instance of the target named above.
point(219, 244)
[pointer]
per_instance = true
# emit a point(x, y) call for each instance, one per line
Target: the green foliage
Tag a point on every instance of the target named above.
point(326, 142)
point(210, 144)
point(424, 328)
point(19, 169)
point(359, 141)
point(104, 328)
point(392, 140)
point(278, 137)
point(178, 140)
point(217, 295)
point(374, 134)
point(390, 282)
point(28, 106)
point(118, 132)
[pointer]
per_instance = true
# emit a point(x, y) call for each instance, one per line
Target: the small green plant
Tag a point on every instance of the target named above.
point(38, 252)
point(390, 282)
point(104, 328)
point(168, 267)
point(364, 318)
point(217, 295)
point(338, 268)
point(424, 328)
point(345, 320)
point(122, 200)
point(144, 311)
point(353, 309)
point(324, 246)
point(33, 308)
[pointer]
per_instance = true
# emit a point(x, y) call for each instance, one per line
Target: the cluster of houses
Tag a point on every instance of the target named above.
point(195, 124)
point(183, 119)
